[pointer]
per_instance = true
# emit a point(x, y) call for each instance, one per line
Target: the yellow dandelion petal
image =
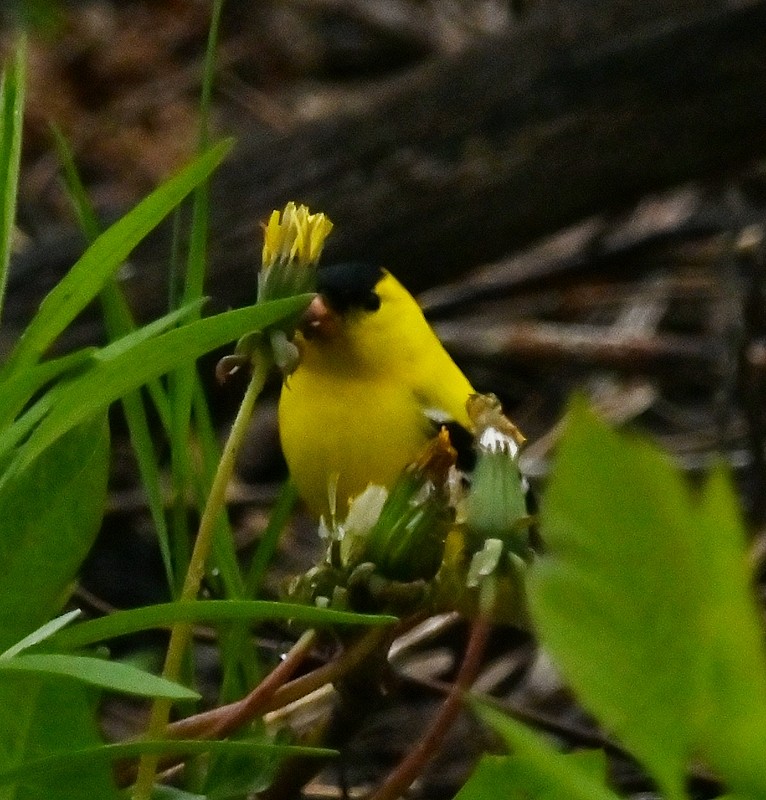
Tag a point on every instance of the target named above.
point(293, 240)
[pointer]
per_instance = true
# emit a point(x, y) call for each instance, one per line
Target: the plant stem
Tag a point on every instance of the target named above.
point(220, 722)
point(181, 633)
point(398, 781)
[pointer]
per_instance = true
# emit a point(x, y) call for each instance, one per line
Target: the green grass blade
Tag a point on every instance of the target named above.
point(164, 615)
point(41, 634)
point(119, 369)
point(224, 553)
point(109, 675)
point(185, 378)
point(119, 322)
point(19, 389)
point(72, 762)
point(280, 515)
point(100, 261)
point(236, 655)
point(12, 90)
point(14, 434)
point(86, 215)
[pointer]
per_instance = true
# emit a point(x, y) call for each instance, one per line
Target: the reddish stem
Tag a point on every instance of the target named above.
point(401, 778)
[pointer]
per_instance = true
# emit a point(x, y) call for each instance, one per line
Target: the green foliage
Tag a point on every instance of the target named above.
point(49, 516)
point(103, 258)
point(54, 462)
point(43, 719)
point(12, 85)
point(67, 773)
point(536, 769)
point(163, 615)
point(108, 675)
point(643, 597)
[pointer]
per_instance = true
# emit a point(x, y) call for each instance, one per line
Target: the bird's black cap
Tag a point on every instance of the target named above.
point(350, 286)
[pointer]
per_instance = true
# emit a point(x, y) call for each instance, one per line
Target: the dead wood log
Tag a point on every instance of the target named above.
point(581, 109)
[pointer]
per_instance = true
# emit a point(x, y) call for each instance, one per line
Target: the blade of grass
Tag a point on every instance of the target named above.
point(236, 655)
point(119, 368)
point(41, 634)
point(110, 675)
point(12, 87)
point(72, 762)
point(280, 515)
point(87, 277)
point(119, 322)
point(184, 379)
point(16, 392)
point(224, 553)
point(165, 615)
point(16, 432)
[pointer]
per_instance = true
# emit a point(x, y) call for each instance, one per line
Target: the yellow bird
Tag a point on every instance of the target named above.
point(372, 386)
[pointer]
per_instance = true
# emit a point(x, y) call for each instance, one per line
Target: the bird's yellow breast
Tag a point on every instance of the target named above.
point(356, 410)
point(355, 432)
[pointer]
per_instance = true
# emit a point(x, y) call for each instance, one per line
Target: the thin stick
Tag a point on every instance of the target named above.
point(329, 673)
point(412, 765)
point(220, 722)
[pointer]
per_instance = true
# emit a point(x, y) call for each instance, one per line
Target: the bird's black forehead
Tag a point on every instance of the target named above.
point(350, 285)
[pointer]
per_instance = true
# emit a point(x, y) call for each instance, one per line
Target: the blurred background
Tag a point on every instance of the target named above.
point(575, 189)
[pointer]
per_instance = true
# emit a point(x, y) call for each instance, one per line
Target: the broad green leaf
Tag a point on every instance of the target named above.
point(118, 370)
point(102, 259)
point(49, 516)
point(42, 720)
point(163, 792)
point(629, 598)
point(12, 88)
point(164, 615)
point(535, 770)
point(731, 634)
point(110, 675)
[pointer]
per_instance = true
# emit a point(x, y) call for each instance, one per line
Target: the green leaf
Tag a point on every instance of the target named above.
point(643, 599)
point(71, 764)
point(41, 634)
point(19, 388)
point(118, 369)
point(12, 88)
point(49, 516)
point(164, 615)
point(16, 391)
point(731, 635)
point(102, 259)
point(110, 675)
point(38, 722)
point(536, 769)
point(163, 792)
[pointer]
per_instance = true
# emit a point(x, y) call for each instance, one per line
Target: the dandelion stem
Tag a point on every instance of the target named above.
point(181, 633)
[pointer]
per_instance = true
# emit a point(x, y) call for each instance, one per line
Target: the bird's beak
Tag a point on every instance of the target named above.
point(319, 320)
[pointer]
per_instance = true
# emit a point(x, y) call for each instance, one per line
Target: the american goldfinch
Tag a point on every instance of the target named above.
point(372, 386)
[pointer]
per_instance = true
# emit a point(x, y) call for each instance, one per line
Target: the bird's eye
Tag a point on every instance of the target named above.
point(372, 303)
